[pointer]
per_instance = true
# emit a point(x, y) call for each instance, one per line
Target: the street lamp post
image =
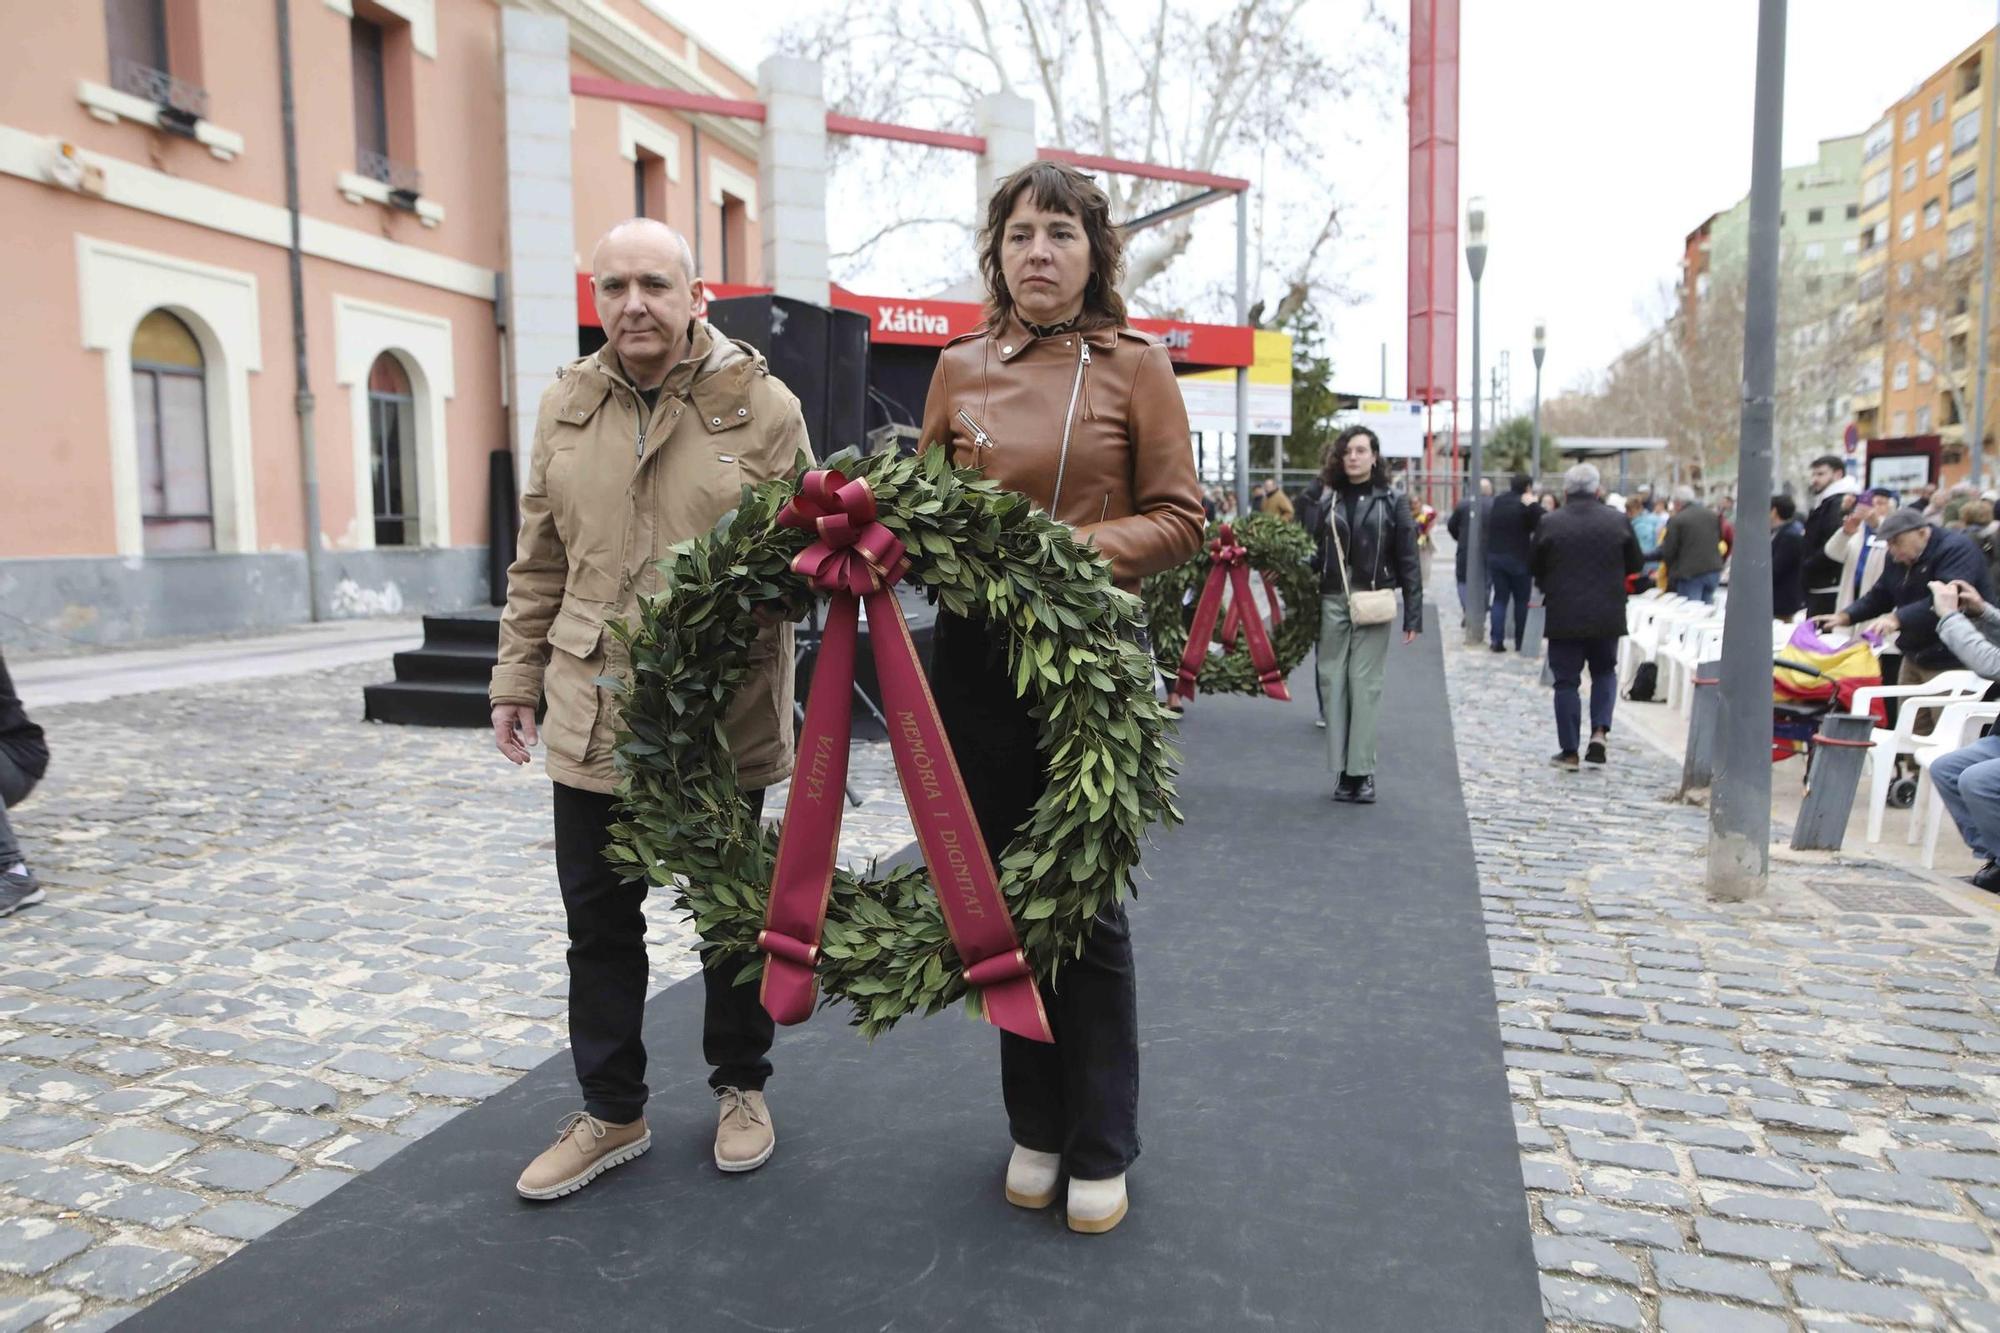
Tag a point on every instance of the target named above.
point(1541, 349)
point(1475, 552)
point(1739, 806)
point(1531, 631)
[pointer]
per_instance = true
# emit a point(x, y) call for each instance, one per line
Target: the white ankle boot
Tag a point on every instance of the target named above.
point(1031, 1177)
point(1096, 1205)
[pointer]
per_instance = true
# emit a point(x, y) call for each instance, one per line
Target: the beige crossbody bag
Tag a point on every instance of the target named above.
point(1370, 606)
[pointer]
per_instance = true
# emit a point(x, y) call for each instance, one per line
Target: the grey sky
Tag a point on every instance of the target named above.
point(1600, 132)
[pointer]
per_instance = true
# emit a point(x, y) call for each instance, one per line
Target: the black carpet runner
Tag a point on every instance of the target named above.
point(1328, 1143)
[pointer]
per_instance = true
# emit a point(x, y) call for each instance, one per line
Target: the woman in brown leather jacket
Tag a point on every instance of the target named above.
point(1057, 399)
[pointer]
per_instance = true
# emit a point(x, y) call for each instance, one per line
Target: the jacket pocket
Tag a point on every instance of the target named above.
point(968, 452)
point(570, 683)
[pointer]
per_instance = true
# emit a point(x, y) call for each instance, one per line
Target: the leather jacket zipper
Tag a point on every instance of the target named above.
point(1069, 424)
point(980, 439)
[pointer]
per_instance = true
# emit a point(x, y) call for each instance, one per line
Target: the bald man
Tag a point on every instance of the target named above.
point(643, 444)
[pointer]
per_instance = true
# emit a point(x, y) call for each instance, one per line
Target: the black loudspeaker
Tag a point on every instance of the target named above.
point(820, 354)
point(847, 381)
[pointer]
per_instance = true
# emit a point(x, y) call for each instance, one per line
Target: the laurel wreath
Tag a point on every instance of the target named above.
point(1282, 550)
point(1070, 644)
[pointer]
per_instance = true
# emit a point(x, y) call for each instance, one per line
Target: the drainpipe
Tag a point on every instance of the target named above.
point(695, 168)
point(302, 400)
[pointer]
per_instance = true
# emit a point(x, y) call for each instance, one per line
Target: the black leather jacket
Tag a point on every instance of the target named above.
point(1381, 551)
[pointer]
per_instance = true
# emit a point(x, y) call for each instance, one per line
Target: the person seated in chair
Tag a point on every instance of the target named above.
point(1968, 779)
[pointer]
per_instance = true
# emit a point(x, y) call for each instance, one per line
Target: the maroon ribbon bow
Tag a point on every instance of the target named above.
point(1228, 564)
point(857, 561)
point(1232, 620)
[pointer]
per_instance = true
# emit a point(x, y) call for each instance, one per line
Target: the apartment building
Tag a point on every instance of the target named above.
point(447, 187)
point(1922, 193)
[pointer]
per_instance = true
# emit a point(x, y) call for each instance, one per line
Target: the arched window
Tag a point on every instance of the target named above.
point(170, 421)
point(392, 442)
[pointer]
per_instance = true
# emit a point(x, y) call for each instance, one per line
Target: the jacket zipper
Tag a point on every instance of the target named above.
point(980, 439)
point(1069, 423)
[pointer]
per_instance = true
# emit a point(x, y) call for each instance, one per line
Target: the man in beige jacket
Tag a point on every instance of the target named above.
point(643, 444)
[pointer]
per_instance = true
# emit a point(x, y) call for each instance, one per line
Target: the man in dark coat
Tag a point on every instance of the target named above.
point(1458, 525)
point(1691, 548)
point(1509, 530)
point(1581, 557)
point(1788, 559)
point(1834, 493)
point(1919, 554)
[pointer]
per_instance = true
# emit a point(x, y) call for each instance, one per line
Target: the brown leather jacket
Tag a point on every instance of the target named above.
point(1090, 427)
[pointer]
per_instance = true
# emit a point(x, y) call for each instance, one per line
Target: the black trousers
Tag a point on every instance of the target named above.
point(607, 974)
point(1080, 1096)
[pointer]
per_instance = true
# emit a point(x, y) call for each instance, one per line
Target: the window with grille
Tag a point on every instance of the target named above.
point(392, 449)
point(384, 102)
point(170, 425)
point(155, 53)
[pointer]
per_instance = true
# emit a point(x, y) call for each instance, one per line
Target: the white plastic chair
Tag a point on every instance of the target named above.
point(1957, 727)
point(1889, 745)
point(1680, 652)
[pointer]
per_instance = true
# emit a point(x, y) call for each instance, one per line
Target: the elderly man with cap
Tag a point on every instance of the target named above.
point(1920, 554)
point(644, 443)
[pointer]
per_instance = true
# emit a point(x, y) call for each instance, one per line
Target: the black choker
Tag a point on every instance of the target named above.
point(1050, 330)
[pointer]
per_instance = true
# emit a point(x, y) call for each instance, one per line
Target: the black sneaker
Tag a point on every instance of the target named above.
point(1364, 791)
point(1344, 789)
point(1593, 753)
point(18, 889)
point(1985, 869)
point(1988, 879)
point(1566, 759)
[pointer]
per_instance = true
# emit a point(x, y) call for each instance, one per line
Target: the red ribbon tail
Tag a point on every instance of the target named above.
point(1261, 655)
point(1231, 619)
point(810, 835)
point(1196, 652)
point(961, 868)
point(1271, 593)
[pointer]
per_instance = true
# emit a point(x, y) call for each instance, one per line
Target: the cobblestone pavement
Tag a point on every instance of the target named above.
point(279, 945)
point(1778, 1115)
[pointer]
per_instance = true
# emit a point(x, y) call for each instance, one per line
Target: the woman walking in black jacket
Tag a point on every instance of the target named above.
point(1367, 542)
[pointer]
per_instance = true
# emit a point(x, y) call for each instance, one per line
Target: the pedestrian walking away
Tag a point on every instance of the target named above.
point(1366, 546)
point(1691, 547)
point(24, 760)
point(644, 443)
point(1458, 525)
point(1510, 528)
point(1097, 436)
point(1583, 555)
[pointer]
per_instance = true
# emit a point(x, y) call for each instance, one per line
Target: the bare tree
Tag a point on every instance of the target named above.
point(1244, 90)
point(1684, 381)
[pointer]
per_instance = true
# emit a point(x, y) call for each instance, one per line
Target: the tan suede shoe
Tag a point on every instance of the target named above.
point(585, 1149)
point(743, 1134)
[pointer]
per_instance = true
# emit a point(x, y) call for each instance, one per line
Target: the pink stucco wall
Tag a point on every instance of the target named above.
point(57, 500)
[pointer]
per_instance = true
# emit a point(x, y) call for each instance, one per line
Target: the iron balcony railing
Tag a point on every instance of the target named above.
point(183, 101)
point(404, 181)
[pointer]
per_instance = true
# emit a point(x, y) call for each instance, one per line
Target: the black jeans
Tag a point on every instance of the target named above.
point(15, 784)
point(1080, 1096)
point(1567, 659)
point(607, 974)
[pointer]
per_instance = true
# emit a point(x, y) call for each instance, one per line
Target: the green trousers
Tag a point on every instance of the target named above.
point(1352, 661)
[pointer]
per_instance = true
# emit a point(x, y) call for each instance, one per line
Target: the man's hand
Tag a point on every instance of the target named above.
point(1837, 620)
point(1887, 624)
point(514, 731)
point(1850, 522)
point(1944, 598)
point(1969, 600)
